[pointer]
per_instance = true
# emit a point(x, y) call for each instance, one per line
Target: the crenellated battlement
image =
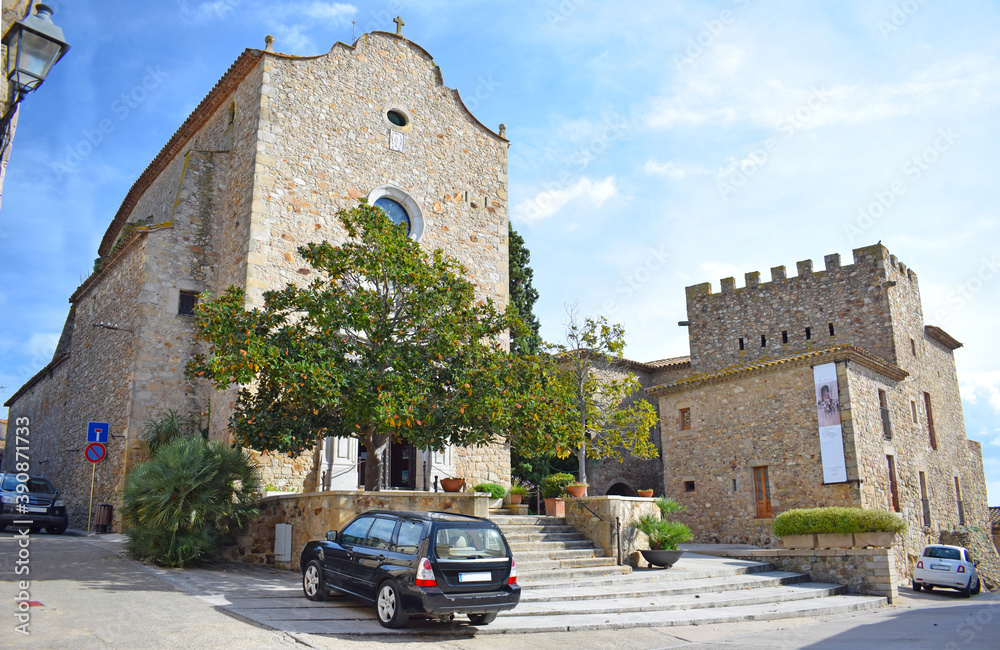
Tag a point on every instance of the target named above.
point(871, 259)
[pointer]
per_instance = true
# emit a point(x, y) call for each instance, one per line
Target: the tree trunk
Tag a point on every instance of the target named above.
point(376, 444)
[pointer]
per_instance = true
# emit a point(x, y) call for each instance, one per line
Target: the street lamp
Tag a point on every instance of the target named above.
point(34, 45)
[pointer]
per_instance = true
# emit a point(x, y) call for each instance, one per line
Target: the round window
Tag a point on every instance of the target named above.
point(396, 118)
point(396, 212)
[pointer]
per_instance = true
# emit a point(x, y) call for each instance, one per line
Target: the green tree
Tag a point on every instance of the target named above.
point(522, 296)
point(609, 418)
point(180, 504)
point(388, 342)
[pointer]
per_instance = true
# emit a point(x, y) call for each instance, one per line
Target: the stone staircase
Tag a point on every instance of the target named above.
point(568, 584)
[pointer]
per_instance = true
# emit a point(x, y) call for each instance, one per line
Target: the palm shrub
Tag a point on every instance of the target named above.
point(661, 534)
point(159, 431)
point(668, 506)
point(181, 504)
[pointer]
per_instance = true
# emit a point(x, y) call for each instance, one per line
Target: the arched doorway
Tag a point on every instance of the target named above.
point(621, 490)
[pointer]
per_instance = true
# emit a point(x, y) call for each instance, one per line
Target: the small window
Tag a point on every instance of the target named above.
point(396, 212)
point(762, 492)
point(397, 118)
point(734, 485)
point(925, 502)
point(883, 407)
point(232, 114)
point(741, 344)
point(809, 333)
point(961, 506)
point(763, 341)
point(831, 329)
point(913, 412)
point(930, 421)
point(893, 489)
point(685, 419)
point(784, 336)
point(689, 486)
point(913, 347)
point(188, 301)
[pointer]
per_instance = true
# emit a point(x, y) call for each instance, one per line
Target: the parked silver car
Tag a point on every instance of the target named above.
point(946, 566)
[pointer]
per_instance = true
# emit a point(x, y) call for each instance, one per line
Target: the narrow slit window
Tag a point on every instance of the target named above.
point(883, 407)
point(913, 411)
point(809, 334)
point(961, 506)
point(734, 485)
point(913, 347)
point(831, 329)
point(741, 344)
point(932, 438)
point(893, 491)
point(784, 336)
point(763, 341)
point(188, 301)
point(925, 502)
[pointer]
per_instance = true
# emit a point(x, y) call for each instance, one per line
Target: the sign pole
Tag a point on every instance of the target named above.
point(91, 512)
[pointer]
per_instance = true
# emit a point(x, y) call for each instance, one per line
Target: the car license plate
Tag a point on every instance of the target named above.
point(479, 576)
point(941, 567)
point(36, 509)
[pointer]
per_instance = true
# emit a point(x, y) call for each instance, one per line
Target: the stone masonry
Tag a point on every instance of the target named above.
point(262, 165)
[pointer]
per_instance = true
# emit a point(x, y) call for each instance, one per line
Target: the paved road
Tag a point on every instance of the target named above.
point(89, 596)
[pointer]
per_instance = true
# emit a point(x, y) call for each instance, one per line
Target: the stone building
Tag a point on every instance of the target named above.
point(259, 168)
point(821, 389)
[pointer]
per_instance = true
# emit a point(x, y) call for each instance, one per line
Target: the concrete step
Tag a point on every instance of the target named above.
point(567, 563)
point(543, 554)
point(658, 601)
point(527, 520)
point(533, 537)
point(515, 531)
point(516, 623)
point(519, 547)
point(590, 592)
point(549, 573)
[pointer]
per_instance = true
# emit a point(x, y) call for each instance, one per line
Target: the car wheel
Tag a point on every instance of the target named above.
point(312, 582)
point(389, 606)
point(58, 529)
point(916, 586)
point(482, 619)
point(977, 588)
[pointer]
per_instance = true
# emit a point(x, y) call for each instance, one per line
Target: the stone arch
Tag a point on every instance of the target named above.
point(621, 489)
point(412, 209)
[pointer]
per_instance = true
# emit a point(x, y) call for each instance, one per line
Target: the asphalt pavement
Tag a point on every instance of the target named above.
point(83, 593)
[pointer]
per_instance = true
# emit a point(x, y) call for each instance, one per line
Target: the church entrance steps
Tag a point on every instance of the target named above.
point(547, 548)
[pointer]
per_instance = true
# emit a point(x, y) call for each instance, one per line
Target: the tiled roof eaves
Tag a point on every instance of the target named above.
point(942, 337)
point(47, 370)
point(825, 355)
point(113, 258)
point(237, 71)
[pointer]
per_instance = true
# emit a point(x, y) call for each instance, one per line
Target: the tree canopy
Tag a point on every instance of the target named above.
point(388, 342)
point(522, 296)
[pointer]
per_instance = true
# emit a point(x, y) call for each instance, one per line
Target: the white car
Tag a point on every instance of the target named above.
point(946, 566)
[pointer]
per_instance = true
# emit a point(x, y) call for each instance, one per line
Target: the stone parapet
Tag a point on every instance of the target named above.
point(312, 515)
point(601, 518)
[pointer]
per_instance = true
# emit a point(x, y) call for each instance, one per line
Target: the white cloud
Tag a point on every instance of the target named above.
point(40, 346)
point(335, 13)
point(671, 169)
point(549, 202)
point(982, 384)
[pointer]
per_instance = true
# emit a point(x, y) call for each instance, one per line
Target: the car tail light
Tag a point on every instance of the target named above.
point(512, 580)
point(961, 568)
point(425, 574)
point(920, 564)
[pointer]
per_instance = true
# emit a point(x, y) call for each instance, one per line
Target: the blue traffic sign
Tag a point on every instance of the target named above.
point(95, 452)
point(97, 432)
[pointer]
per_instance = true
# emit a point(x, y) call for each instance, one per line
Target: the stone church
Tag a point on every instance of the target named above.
point(259, 168)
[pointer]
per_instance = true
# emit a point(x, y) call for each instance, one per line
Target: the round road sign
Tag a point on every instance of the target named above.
point(95, 452)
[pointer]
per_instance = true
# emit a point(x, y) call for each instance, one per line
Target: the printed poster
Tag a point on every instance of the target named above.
point(831, 434)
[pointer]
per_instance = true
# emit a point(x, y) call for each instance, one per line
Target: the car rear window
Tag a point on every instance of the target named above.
point(409, 536)
point(943, 553)
point(39, 485)
point(463, 543)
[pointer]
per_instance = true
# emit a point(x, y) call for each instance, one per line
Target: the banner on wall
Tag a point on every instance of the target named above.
point(831, 434)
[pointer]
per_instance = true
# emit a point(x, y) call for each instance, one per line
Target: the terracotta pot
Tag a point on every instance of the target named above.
point(555, 507)
point(576, 490)
point(645, 493)
point(452, 484)
point(515, 499)
point(799, 541)
point(664, 559)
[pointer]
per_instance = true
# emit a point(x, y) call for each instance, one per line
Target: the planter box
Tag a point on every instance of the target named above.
point(834, 540)
point(664, 559)
point(496, 504)
point(555, 507)
point(799, 541)
point(874, 539)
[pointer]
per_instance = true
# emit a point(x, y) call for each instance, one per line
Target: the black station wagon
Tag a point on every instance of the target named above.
point(433, 564)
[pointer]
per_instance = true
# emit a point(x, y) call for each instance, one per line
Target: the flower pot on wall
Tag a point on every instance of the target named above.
point(576, 490)
point(664, 559)
point(645, 493)
point(515, 499)
point(555, 508)
point(452, 484)
point(799, 541)
point(874, 539)
point(834, 540)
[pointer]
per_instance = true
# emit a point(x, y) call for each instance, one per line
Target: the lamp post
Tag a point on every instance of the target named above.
point(34, 45)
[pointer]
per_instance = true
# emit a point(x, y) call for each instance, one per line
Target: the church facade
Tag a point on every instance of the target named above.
point(262, 165)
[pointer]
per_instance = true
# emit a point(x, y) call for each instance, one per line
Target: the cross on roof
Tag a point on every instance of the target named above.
point(399, 25)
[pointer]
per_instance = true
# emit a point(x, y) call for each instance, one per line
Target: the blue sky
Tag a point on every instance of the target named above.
point(655, 144)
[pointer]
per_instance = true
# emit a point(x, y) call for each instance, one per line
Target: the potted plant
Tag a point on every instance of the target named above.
point(836, 527)
point(576, 489)
point(645, 493)
point(495, 491)
point(517, 492)
point(662, 535)
point(552, 490)
point(452, 484)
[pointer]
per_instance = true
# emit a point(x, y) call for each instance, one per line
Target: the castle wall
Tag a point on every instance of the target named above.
point(850, 297)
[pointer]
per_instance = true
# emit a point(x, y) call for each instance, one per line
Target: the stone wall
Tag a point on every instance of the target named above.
point(850, 297)
point(862, 570)
point(980, 543)
point(601, 522)
point(312, 515)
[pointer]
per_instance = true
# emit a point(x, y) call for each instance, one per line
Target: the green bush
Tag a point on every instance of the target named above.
point(496, 491)
point(553, 484)
point(181, 504)
point(662, 535)
point(805, 521)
